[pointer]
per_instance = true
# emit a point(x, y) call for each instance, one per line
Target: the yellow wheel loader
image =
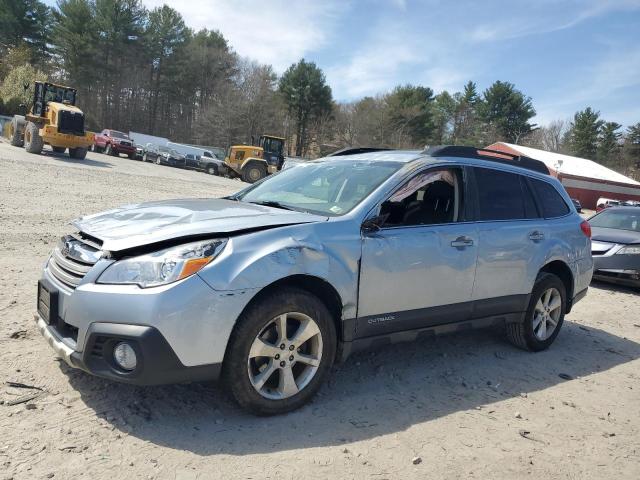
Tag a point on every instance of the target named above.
point(253, 163)
point(53, 119)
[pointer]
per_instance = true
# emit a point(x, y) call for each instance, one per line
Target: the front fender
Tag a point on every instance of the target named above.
point(253, 159)
point(256, 260)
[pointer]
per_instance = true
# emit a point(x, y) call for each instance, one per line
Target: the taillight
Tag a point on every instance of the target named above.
point(586, 228)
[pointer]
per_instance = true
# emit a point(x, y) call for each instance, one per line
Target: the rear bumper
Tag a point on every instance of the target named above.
point(157, 363)
point(51, 136)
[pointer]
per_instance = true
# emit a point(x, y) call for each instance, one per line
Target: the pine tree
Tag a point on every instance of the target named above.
point(507, 112)
point(609, 148)
point(307, 96)
point(584, 133)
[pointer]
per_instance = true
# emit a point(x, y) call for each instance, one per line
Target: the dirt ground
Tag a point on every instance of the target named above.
point(459, 406)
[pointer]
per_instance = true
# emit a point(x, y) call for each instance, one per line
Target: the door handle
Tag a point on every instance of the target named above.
point(462, 242)
point(536, 236)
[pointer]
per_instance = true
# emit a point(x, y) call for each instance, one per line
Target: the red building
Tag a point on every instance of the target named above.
point(583, 179)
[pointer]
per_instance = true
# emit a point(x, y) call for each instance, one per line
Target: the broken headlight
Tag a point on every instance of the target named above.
point(163, 267)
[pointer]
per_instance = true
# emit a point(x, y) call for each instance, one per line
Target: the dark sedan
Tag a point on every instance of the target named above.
point(164, 156)
point(615, 245)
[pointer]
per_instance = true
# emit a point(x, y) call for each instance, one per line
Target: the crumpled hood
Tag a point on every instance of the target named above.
point(146, 223)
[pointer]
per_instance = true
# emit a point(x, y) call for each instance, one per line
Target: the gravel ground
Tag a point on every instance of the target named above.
point(459, 406)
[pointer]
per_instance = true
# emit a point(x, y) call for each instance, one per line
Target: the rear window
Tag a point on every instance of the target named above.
point(503, 196)
point(552, 203)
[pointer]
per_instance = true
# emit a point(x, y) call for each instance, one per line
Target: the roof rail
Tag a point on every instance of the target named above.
point(356, 150)
point(489, 155)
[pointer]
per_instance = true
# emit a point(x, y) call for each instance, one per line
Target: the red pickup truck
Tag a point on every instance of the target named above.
point(113, 142)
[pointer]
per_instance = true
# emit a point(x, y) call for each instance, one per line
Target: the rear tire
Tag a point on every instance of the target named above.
point(545, 312)
point(33, 142)
point(312, 358)
point(254, 172)
point(78, 153)
point(59, 149)
point(16, 130)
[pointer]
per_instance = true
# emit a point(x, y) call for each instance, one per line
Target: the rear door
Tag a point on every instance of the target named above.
point(418, 269)
point(511, 242)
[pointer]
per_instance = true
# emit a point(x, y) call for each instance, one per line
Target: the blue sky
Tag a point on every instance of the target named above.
point(565, 54)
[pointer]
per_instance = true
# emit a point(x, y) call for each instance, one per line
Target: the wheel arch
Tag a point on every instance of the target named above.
point(562, 271)
point(316, 286)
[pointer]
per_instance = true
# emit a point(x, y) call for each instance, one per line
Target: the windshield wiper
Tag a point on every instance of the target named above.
point(272, 203)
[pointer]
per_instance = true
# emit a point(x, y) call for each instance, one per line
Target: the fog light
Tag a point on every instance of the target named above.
point(125, 356)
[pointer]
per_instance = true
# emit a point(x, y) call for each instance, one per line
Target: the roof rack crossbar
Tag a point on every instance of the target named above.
point(489, 155)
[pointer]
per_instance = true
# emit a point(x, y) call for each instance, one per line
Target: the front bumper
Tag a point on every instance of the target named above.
point(617, 268)
point(157, 363)
point(181, 329)
point(123, 148)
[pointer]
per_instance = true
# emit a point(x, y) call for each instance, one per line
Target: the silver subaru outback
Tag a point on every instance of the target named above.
point(267, 288)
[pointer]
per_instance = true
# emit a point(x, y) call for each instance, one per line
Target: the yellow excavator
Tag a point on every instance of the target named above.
point(52, 119)
point(253, 163)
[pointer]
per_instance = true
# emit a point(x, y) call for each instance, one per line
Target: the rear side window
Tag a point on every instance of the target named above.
point(503, 196)
point(552, 203)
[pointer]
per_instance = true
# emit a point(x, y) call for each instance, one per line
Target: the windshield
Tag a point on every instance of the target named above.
point(330, 187)
point(59, 94)
point(117, 134)
point(618, 219)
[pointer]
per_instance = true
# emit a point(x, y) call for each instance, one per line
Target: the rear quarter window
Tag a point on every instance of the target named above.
point(551, 202)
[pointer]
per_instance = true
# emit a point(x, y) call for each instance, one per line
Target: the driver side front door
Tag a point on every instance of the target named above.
point(418, 271)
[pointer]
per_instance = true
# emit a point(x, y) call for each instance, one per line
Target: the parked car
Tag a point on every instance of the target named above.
point(139, 152)
point(616, 245)
point(577, 204)
point(113, 142)
point(211, 165)
point(163, 156)
point(606, 203)
point(266, 288)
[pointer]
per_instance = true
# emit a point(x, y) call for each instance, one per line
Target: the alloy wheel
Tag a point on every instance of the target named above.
point(546, 314)
point(285, 356)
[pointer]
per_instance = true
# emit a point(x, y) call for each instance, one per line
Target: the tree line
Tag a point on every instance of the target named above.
point(147, 71)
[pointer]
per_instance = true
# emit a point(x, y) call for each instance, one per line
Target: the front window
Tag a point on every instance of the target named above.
point(618, 219)
point(330, 188)
point(430, 198)
point(116, 134)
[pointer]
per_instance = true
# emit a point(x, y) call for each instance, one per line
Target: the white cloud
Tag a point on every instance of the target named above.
point(597, 86)
point(394, 54)
point(552, 18)
point(278, 33)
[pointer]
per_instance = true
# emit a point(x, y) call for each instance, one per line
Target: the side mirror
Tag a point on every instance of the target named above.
point(373, 224)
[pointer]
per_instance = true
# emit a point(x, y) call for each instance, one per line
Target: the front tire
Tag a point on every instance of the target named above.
point(544, 316)
point(16, 128)
point(280, 352)
point(78, 153)
point(254, 172)
point(33, 142)
point(212, 170)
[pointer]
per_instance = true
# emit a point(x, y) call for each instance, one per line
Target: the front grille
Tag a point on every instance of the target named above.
point(72, 259)
point(70, 122)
